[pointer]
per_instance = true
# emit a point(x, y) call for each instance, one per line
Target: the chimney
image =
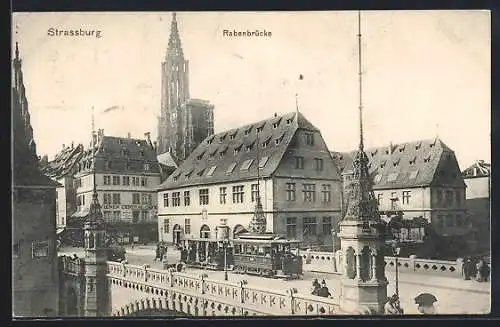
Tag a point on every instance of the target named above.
point(391, 147)
point(155, 146)
point(72, 145)
point(275, 114)
point(147, 136)
point(63, 146)
point(128, 135)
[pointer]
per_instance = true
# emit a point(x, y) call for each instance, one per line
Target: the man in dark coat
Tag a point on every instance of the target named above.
point(324, 291)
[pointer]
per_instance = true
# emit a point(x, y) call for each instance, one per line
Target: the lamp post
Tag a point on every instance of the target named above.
point(396, 250)
point(225, 241)
point(225, 259)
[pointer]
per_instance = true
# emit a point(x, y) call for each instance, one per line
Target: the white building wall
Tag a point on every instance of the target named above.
point(234, 213)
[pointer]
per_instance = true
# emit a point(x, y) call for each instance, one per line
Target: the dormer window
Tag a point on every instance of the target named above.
point(382, 164)
point(392, 177)
point(377, 179)
point(433, 143)
point(259, 129)
point(396, 163)
point(428, 159)
point(250, 146)
point(419, 144)
point(412, 161)
point(266, 142)
point(237, 149)
point(263, 162)
point(200, 156)
point(230, 169)
point(211, 170)
point(289, 121)
point(374, 152)
point(176, 178)
point(142, 153)
point(200, 172)
point(413, 174)
point(210, 140)
point(402, 148)
point(146, 167)
point(188, 173)
point(232, 136)
point(223, 137)
point(248, 130)
point(246, 164)
point(278, 140)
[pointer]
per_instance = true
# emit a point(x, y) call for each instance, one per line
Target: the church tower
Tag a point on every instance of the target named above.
point(363, 283)
point(96, 287)
point(174, 93)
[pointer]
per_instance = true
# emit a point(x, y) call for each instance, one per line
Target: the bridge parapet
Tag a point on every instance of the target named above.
point(212, 295)
point(71, 266)
point(333, 263)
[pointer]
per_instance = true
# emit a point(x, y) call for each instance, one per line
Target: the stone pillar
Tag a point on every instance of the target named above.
point(412, 261)
point(197, 252)
point(358, 266)
point(374, 265)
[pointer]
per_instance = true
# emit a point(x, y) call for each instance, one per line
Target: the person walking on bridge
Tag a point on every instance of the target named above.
point(392, 306)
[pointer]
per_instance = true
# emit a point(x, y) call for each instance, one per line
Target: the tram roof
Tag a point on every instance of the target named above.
point(265, 241)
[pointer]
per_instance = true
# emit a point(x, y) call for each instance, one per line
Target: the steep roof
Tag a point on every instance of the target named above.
point(409, 164)
point(167, 159)
point(26, 170)
point(127, 155)
point(478, 169)
point(232, 155)
point(64, 162)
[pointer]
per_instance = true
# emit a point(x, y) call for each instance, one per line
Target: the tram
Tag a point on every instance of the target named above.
point(267, 255)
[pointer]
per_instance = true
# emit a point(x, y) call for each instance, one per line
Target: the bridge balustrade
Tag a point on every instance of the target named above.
point(220, 297)
point(332, 263)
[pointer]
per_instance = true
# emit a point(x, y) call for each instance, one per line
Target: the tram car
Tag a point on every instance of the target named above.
point(266, 255)
point(206, 253)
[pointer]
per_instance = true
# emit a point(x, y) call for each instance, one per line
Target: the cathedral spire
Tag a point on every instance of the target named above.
point(95, 213)
point(362, 205)
point(174, 42)
point(258, 224)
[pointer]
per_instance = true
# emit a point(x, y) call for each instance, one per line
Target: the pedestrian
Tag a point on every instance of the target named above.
point(466, 269)
point(309, 256)
point(324, 291)
point(316, 287)
point(484, 272)
point(479, 270)
point(165, 262)
point(393, 306)
point(158, 253)
point(425, 303)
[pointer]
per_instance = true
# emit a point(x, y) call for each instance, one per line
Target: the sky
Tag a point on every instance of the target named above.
point(425, 74)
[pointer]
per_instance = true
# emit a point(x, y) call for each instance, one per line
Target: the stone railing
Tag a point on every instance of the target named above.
point(333, 263)
point(249, 297)
point(70, 265)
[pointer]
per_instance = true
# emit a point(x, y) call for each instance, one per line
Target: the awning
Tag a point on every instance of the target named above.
point(60, 230)
point(81, 213)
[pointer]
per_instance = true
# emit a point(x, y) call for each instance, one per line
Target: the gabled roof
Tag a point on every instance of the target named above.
point(64, 162)
point(234, 152)
point(410, 164)
point(478, 169)
point(121, 151)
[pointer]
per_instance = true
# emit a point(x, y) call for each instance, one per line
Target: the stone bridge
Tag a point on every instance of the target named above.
point(133, 290)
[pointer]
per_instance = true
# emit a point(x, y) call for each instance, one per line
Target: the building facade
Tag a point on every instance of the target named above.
point(478, 202)
point(62, 169)
point(183, 122)
point(127, 174)
point(298, 182)
point(417, 181)
point(34, 255)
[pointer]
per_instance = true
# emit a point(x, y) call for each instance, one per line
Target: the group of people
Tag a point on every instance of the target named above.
point(480, 270)
point(320, 289)
point(161, 252)
point(393, 306)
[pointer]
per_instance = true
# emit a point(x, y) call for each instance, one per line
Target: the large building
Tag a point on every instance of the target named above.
point(34, 254)
point(127, 175)
point(478, 202)
point(183, 122)
point(298, 181)
point(62, 169)
point(417, 181)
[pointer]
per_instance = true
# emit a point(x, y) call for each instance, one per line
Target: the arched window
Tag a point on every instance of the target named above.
point(205, 231)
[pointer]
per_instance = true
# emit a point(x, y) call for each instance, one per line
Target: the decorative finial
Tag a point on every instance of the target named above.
point(361, 143)
point(301, 77)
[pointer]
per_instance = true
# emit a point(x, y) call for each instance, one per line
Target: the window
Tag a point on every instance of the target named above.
point(146, 198)
point(246, 164)
point(379, 198)
point(135, 216)
point(222, 196)
point(136, 198)
point(107, 198)
point(40, 249)
point(299, 162)
point(439, 196)
point(166, 225)
point(127, 166)
point(165, 199)
point(230, 169)
point(126, 180)
point(449, 220)
point(458, 197)
point(237, 150)
point(107, 164)
point(116, 198)
point(146, 167)
point(291, 227)
point(144, 181)
point(309, 138)
point(406, 197)
point(250, 146)
point(427, 159)
point(327, 225)
point(176, 199)
point(204, 196)
point(187, 198)
point(309, 226)
point(187, 226)
point(413, 174)
point(107, 180)
point(200, 172)
point(377, 179)
point(255, 192)
point(290, 191)
point(309, 192)
point(211, 170)
point(144, 215)
point(238, 194)
point(266, 143)
point(326, 191)
point(107, 215)
point(459, 221)
point(449, 197)
point(279, 139)
point(116, 180)
point(318, 164)
point(392, 177)
point(231, 137)
point(263, 162)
